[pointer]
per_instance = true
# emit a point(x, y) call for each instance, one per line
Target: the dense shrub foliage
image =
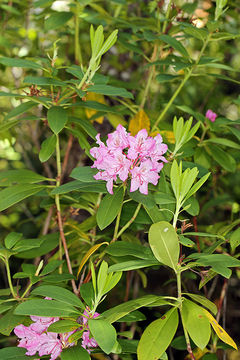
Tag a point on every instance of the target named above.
point(119, 183)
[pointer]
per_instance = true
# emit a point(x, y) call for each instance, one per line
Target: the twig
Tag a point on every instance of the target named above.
point(67, 153)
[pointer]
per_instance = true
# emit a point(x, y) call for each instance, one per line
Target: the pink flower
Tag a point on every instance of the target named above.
point(142, 175)
point(88, 342)
point(50, 344)
point(211, 115)
point(29, 339)
point(124, 157)
point(42, 323)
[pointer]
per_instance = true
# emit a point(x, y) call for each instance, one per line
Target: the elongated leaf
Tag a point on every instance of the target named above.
point(110, 90)
point(16, 193)
point(104, 334)
point(40, 80)
point(139, 121)
point(132, 265)
point(57, 118)
point(117, 312)
point(196, 323)
point(158, 336)
point(58, 293)
point(47, 148)
point(45, 243)
point(161, 78)
point(22, 176)
point(9, 321)
point(20, 109)
point(223, 142)
point(88, 254)
point(11, 239)
point(175, 44)
point(197, 186)
point(108, 43)
point(109, 208)
point(22, 63)
point(14, 353)
point(124, 248)
point(164, 243)
point(96, 187)
point(45, 308)
point(57, 19)
point(63, 326)
point(235, 239)
point(221, 333)
point(84, 173)
point(203, 301)
point(223, 158)
point(75, 353)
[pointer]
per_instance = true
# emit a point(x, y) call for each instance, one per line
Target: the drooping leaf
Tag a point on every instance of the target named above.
point(88, 254)
point(194, 319)
point(47, 148)
point(104, 334)
point(16, 193)
point(158, 336)
point(177, 45)
point(58, 293)
point(22, 176)
point(109, 208)
point(44, 307)
point(221, 333)
point(203, 301)
point(57, 118)
point(164, 243)
point(75, 353)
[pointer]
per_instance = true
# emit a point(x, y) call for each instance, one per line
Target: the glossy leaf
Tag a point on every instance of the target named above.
point(75, 353)
point(196, 323)
point(88, 254)
point(14, 353)
point(221, 333)
point(47, 148)
point(158, 336)
point(235, 239)
point(132, 265)
point(223, 158)
point(104, 334)
point(16, 193)
point(58, 293)
point(117, 312)
point(50, 308)
point(57, 118)
point(203, 301)
point(84, 173)
point(124, 248)
point(63, 326)
point(164, 243)
point(174, 43)
point(22, 176)
point(109, 208)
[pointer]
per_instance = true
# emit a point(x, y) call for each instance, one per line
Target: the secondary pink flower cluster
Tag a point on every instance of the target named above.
point(139, 157)
point(211, 115)
point(36, 338)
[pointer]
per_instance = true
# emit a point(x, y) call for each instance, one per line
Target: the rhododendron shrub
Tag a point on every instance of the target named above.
point(119, 184)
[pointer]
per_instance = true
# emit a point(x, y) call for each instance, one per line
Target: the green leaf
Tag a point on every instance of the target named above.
point(42, 307)
point(194, 206)
point(174, 43)
point(11, 239)
point(104, 334)
point(203, 301)
point(164, 243)
point(75, 353)
point(161, 78)
point(110, 91)
point(158, 336)
point(63, 326)
point(95, 187)
point(9, 321)
point(58, 293)
point(223, 158)
point(219, 8)
point(57, 19)
point(196, 323)
point(235, 239)
point(110, 207)
point(223, 142)
point(22, 176)
point(195, 32)
point(57, 118)
point(16, 193)
point(14, 353)
point(22, 63)
point(40, 80)
point(102, 276)
point(47, 148)
point(124, 248)
point(84, 173)
point(20, 109)
point(132, 265)
point(197, 186)
point(45, 244)
point(110, 41)
point(117, 312)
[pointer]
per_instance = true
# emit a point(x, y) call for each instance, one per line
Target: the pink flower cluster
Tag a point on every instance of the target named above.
point(36, 338)
point(211, 115)
point(139, 157)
